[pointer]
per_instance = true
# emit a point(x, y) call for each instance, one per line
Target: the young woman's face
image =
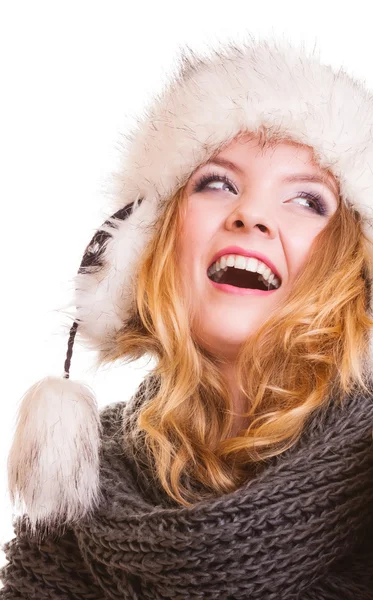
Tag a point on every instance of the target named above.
point(259, 210)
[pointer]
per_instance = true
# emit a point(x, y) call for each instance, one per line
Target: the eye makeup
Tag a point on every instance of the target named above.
point(318, 201)
point(208, 178)
point(320, 205)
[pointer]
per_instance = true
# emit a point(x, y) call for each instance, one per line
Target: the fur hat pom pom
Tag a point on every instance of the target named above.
point(53, 463)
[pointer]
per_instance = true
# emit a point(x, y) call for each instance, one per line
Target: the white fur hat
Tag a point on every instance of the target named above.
point(53, 464)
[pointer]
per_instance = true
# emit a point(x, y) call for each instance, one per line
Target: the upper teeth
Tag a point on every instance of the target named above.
point(243, 262)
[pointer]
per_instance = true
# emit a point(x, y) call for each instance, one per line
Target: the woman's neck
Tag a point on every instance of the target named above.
point(238, 399)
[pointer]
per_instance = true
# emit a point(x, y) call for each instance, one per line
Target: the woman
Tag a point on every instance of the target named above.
point(239, 256)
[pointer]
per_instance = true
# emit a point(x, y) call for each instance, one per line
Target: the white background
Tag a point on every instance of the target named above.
point(73, 74)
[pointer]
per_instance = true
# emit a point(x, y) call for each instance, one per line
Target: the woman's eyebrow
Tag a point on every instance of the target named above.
point(310, 177)
point(223, 162)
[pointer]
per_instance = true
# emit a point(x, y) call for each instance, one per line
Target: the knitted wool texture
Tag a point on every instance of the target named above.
point(301, 529)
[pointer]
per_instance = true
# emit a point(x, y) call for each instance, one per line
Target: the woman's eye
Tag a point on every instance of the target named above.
point(215, 181)
point(207, 180)
point(317, 202)
point(211, 184)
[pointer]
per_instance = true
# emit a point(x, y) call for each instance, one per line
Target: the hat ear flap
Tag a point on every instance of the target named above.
point(53, 464)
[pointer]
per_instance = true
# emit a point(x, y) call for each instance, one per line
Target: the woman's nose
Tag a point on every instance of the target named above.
point(251, 214)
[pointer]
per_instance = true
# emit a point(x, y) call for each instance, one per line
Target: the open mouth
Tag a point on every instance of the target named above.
point(243, 279)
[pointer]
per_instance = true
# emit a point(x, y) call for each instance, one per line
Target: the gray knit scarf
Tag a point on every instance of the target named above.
point(302, 529)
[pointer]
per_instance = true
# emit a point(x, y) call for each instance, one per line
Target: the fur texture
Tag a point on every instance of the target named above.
point(103, 297)
point(53, 464)
point(206, 103)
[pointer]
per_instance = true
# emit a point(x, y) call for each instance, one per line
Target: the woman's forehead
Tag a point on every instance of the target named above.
point(247, 142)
